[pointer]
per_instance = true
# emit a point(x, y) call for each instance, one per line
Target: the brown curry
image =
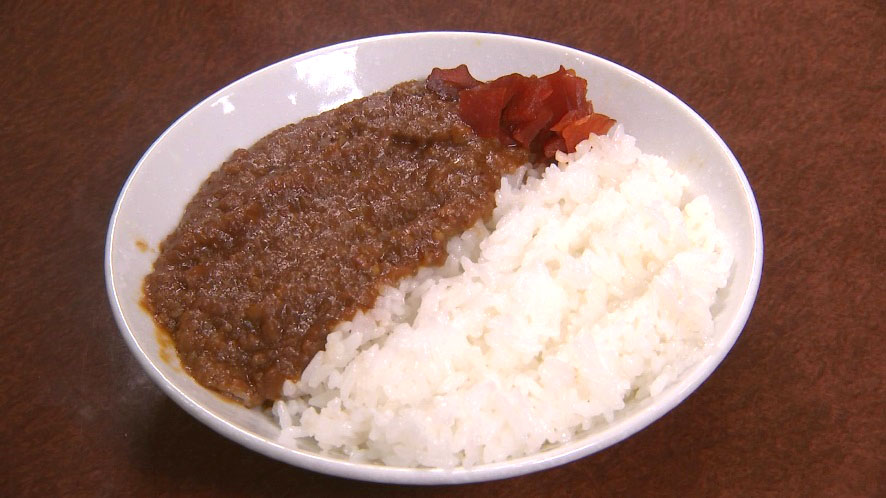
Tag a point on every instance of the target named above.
point(298, 232)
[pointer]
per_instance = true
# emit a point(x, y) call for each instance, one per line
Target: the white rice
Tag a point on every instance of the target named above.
point(590, 288)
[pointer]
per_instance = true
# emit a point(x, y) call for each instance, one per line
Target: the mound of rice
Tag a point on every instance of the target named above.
point(590, 288)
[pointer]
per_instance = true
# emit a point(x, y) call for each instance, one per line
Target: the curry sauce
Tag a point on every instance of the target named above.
point(301, 230)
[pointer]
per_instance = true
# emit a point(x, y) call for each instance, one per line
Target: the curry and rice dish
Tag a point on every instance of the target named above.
point(446, 273)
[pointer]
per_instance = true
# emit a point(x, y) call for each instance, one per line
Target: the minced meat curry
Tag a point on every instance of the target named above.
point(298, 232)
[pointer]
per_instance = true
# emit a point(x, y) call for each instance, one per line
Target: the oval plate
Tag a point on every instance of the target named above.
point(167, 176)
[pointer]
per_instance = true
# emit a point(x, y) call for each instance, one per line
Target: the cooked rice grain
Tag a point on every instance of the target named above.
point(591, 287)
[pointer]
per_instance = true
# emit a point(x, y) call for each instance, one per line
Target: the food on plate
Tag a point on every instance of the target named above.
point(447, 273)
point(543, 115)
point(298, 232)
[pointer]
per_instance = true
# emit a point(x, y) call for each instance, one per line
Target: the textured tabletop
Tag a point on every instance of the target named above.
point(797, 89)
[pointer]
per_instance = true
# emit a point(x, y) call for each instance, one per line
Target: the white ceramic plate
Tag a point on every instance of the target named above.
point(154, 196)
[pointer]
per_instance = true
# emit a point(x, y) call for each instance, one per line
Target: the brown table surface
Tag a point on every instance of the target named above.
point(797, 90)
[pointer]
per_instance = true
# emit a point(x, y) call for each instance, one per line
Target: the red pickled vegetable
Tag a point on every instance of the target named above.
point(525, 133)
point(567, 119)
point(554, 144)
point(529, 102)
point(581, 128)
point(448, 82)
point(513, 82)
point(569, 91)
point(481, 108)
point(543, 114)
